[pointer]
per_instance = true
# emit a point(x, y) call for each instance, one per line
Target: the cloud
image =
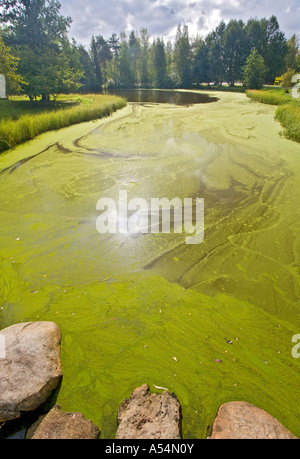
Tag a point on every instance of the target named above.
point(161, 17)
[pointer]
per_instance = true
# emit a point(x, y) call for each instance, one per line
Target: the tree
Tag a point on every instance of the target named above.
point(9, 68)
point(88, 79)
point(276, 50)
point(70, 70)
point(159, 61)
point(200, 69)
point(292, 52)
point(254, 71)
point(256, 35)
point(144, 58)
point(102, 49)
point(287, 81)
point(182, 56)
point(127, 77)
point(96, 65)
point(37, 34)
point(134, 52)
point(297, 63)
point(214, 42)
point(235, 50)
point(113, 71)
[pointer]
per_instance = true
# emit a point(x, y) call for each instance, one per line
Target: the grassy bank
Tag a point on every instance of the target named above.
point(288, 111)
point(289, 117)
point(269, 96)
point(33, 119)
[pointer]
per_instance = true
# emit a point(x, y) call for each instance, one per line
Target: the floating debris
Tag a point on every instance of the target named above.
point(160, 388)
point(218, 361)
point(229, 342)
point(174, 358)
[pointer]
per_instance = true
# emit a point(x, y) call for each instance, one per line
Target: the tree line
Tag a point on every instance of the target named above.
point(39, 59)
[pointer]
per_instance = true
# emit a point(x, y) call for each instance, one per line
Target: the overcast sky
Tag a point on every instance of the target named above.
point(161, 17)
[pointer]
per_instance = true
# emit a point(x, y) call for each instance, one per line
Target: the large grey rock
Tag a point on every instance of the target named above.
point(30, 366)
point(58, 425)
point(147, 415)
point(241, 420)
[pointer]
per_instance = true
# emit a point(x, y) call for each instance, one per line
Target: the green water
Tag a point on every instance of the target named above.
point(128, 304)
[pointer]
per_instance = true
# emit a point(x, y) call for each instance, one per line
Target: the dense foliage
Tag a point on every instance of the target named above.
point(46, 62)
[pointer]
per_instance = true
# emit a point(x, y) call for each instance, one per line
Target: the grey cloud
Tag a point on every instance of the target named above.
point(162, 17)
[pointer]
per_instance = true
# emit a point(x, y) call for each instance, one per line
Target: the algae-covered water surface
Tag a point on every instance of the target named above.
point(212, 322)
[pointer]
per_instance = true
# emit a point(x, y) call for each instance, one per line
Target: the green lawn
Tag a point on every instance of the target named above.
point(21, 105)
point(22, 120)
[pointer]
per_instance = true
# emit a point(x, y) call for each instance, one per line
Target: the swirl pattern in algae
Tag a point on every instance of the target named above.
point(226, 309)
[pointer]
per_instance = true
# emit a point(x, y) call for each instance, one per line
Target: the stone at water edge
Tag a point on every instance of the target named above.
point(30, 367)
point(58, 425)
point(148, 415)
point(241, 420)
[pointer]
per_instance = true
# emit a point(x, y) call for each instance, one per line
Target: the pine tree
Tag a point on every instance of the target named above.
point(159, 58)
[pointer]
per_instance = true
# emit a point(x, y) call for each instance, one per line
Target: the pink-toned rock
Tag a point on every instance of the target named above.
point(30, 367)
point(147, 415)
point(241, 420)
point(58, 425)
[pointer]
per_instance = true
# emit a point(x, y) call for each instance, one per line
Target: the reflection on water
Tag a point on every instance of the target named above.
point(127, 304)
point(162, 96)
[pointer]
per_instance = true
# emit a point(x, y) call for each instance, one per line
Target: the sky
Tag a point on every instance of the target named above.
point(161, 17)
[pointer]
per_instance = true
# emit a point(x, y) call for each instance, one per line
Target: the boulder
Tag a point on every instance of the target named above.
point(30, 367)
point(241, 420)
point(148, 415)
point(58, 425)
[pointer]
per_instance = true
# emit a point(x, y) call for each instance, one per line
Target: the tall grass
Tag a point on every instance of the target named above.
point(28, 126)
point(289, 117)
point(288, 111)
point(271, 97)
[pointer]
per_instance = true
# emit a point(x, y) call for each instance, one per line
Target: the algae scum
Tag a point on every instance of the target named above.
point(212, 322)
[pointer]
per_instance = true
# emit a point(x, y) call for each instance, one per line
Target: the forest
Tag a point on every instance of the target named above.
point(40, 60)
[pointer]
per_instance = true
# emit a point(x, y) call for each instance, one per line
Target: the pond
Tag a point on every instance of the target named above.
point(163, 96)
point(212, 322)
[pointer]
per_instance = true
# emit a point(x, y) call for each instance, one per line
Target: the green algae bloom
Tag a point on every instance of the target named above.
point(226, 309)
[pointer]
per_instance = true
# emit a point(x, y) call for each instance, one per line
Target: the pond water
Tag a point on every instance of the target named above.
point(163, 96)
point(149, 308)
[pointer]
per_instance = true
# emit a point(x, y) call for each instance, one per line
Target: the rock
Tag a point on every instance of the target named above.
point(30, 367)
point(149, 416)
point(241, 420)
point(58, 425)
